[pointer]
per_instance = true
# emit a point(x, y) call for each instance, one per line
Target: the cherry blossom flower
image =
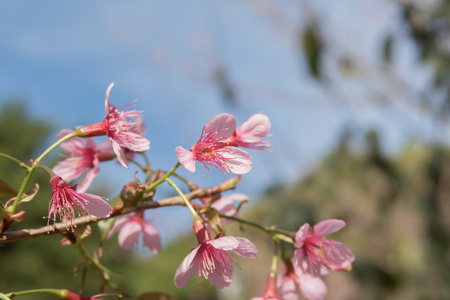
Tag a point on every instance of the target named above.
point(131, 227)
point(82, 154)
point(319, 252)
point(210, 149)
point(66, 201)
point(251, 133)
point(122, 129)
point(211, 260)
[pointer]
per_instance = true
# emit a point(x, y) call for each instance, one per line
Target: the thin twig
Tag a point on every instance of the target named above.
point(62, 229)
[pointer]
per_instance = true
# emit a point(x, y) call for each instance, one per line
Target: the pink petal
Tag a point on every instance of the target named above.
point(224, 207)
point(237, 197)
point(96, 205)
point(339, 257)
point(108, 90)
point(132, 141)
point(301, 234)
point(288, 288)
point(63, 132)
point(119, 153)
point(186, 158)
point(73, 144)
point(129, 234)
point(225, 243)
point(329, 226)
point(152, 239)
point(187, 269)
point(236, 160)
point(254, 129)
point(223, 124)
point(89, 177)
point(245, 248)
point(313, 288)
point(222, 276)
point(298, 260)
point(68, 169)
point(118, 225)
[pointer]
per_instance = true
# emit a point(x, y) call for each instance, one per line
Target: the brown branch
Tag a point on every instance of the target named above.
point(61, 228)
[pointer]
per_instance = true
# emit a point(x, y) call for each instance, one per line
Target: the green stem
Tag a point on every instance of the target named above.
point(163, 178)
point(21, 164)
point(4, 297)
point(57, 292)
point(268, 230)
point(35, 164)
point(275, 256)
point(186, 201)
point(192, 186)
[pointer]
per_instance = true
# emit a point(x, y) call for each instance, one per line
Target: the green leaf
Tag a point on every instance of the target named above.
point(6, 190)
point(312, 48)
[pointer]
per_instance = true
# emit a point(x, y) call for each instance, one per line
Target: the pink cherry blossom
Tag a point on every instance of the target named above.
point(66, 201)
point(211, 260)
point(121, 127)
point(131, 227)
point(319, 252)
point(82, 154)
point(210, 149)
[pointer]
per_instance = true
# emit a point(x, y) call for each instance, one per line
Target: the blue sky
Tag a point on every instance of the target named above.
point(62, 55)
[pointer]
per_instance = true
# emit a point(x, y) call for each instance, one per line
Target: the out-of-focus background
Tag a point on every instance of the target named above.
point(358, 96)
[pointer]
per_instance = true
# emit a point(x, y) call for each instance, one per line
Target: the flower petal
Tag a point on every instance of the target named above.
point(288, 287)
point(223, 124)
point(108, 90)
point(96, 205)
point(129, 234)
point(89, 177)
point(297, 261)
point(119, 153)
point(68, 169)
point(301, 234)
point(338, 256)
point(245, 248)
point(313, 288)
point(186, 158)
point(225, 243)
point(236, 160)
point(152, 240)
point(187, 269)
point(328, 226)
point(118, 225)
point(132, 141)
point(222, 276)
point(254, 129)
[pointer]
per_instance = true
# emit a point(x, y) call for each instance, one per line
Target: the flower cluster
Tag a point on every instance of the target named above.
point(220, 146)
